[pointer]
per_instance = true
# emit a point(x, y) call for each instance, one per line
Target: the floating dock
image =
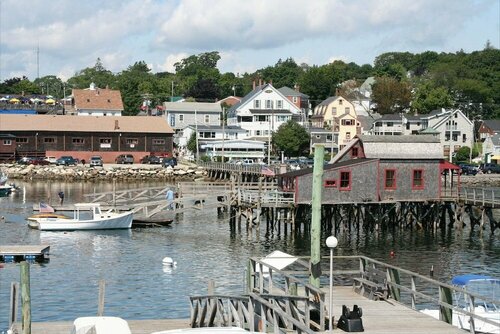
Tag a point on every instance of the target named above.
point(17, 253)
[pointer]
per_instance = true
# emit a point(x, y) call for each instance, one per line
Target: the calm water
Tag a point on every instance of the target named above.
point(204, 246)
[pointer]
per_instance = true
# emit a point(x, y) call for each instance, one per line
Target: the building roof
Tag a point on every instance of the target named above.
point(319, 130)
point(342, 164)
point(97, 99)
point(429, 131)
point(328, 100)
point(246, 98)
point(202, 107)
point(129, 124)
point(391, 117)
point(236, 143)
point(402, 147)
point(493, 124)
point(287, 91)
point(229, 128)
point(495, 139)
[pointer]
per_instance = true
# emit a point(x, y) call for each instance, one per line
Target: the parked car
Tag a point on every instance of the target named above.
point(125, 159)
point(151, 159)
point(67, 160)
point(51, 160)
point(95, 160)
point(490, 168)
point(468, 169)
point(25, 160)
point(38, 161)
point(169, 162)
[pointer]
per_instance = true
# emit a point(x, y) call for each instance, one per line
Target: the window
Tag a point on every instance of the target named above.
point(281, 118)
point(345, 181)
point(132, 141)
point(261, 118)
point(7, 142)
point(21, 140)
point(256, 104)
point(347, 136)
point(464, 138)
point(295, 99)
point(157, 141)
point(88, 100)
point(354, 152)
point(181, 118)
point(246, 119)
point(330, 183)
point(455, 136)
point(348, 110)
point(104, 140)
point(340, 102)
point(334, 111)
point(417, 181)
point(49, 140)
point(109, 101)
point(279, 104)
point(347, 122)
point(207, 118)
point(390, 179)
point(77, 141)
point(269, 104)
point(390, 124)
point(257, 132)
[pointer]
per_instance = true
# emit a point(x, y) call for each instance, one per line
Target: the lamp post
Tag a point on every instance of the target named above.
point(331, 242)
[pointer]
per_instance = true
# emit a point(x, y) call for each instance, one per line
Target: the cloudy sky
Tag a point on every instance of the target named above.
point(249, 34)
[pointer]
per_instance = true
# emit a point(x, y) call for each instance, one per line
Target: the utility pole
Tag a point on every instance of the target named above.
point(172, 95)
point(223, 133)
point(315, 265)
point(196, 131)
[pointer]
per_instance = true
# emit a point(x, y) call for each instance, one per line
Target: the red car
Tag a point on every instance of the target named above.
point(39, 161)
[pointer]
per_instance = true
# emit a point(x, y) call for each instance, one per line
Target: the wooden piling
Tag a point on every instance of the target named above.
point(25, 298)
point(315, 266)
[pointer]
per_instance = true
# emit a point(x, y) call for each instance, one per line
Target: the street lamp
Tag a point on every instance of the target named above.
point(331, 242)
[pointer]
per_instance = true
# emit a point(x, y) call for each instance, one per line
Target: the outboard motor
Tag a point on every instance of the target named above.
point(350, 321)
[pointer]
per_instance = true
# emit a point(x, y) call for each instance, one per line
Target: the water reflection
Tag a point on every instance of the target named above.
point(205, 246)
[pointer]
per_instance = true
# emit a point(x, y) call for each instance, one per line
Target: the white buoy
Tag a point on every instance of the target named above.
point(167, 261)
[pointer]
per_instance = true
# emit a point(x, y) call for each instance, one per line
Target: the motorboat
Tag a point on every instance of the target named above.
point(486, 310)
point(86, 216)
point(100, 325)
point(5, 190)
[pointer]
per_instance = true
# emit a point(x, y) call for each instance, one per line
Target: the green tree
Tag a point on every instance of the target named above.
point(51, 85)
point(25, 87)
point(133, 83)
point(292, 138)
point(428, 98)
point(191, 144)
point(463, 153)
point(98, 75)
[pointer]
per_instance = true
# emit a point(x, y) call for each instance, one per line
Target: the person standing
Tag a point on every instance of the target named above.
point(170, 199)
point(61, 197)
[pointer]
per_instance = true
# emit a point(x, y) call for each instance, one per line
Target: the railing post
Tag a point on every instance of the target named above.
point(14, 297)
point(445, 296)
point(393, 277)
point(25, 297)
point(413, 290)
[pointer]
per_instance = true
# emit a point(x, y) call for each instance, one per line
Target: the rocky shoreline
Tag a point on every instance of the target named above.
point(112, 172)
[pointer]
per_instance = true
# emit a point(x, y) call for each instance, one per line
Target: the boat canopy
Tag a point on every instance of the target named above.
point(464, 279)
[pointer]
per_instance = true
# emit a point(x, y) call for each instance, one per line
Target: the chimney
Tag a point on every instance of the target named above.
point(253, 85)
point(271, 82)
point(260, 82)
point(297, 88)
point(116, 125)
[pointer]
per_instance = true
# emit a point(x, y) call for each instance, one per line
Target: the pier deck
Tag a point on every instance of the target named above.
point(11, 253)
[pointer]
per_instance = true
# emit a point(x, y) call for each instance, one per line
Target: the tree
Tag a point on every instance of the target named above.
point(391, 95)
point(292, 138)
point(98, 75)
point(204, 90)
point(191, 144)
point(428, 98)
point(463, 153)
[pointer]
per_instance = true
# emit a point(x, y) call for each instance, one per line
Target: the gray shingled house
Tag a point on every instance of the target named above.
point(379, 168)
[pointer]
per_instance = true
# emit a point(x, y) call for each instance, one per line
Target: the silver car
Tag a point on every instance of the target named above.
point(95, 161)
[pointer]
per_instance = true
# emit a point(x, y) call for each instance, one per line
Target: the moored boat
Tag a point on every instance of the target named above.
point(86, 216)
point(486, 311)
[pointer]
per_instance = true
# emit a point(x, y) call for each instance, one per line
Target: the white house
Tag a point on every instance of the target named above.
point(262, 111)
point(95, 101)
point(237, 149)
point(181, 114)
point(209, 133)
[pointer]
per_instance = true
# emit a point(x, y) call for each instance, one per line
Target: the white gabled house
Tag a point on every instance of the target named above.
point(209, 133)
point(236, 149)
point(262, 111)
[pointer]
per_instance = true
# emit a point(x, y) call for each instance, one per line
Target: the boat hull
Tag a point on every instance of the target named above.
point(107, 221)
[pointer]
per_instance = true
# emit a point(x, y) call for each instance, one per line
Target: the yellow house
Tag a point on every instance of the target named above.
point(338, 114)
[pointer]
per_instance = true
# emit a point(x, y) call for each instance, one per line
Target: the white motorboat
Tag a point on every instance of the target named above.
point(478, 285)
point(86, 216)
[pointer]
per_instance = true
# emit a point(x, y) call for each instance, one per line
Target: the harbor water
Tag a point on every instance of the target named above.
point(205, 248)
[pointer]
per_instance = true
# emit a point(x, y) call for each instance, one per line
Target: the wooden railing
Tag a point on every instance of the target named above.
point(481, 196)
point(277, 198)
point(264, 279)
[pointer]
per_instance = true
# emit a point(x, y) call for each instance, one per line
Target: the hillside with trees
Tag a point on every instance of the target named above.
point(405, 82)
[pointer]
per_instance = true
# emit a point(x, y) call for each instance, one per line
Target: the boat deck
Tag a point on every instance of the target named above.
point(13, 253)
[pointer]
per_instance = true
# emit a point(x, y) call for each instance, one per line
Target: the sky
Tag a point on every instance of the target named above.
point(249, 34)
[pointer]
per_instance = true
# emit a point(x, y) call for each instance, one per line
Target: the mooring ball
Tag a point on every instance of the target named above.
point(167, 261)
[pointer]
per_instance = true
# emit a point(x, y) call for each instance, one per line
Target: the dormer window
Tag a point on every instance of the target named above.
point(340, 102)
point(88, 100)
point(109, 101)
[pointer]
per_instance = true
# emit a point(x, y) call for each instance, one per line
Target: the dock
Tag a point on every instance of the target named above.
point(16, 253)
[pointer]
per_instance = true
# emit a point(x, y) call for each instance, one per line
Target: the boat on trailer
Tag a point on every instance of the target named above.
point(86, 216)
point(486, 309)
